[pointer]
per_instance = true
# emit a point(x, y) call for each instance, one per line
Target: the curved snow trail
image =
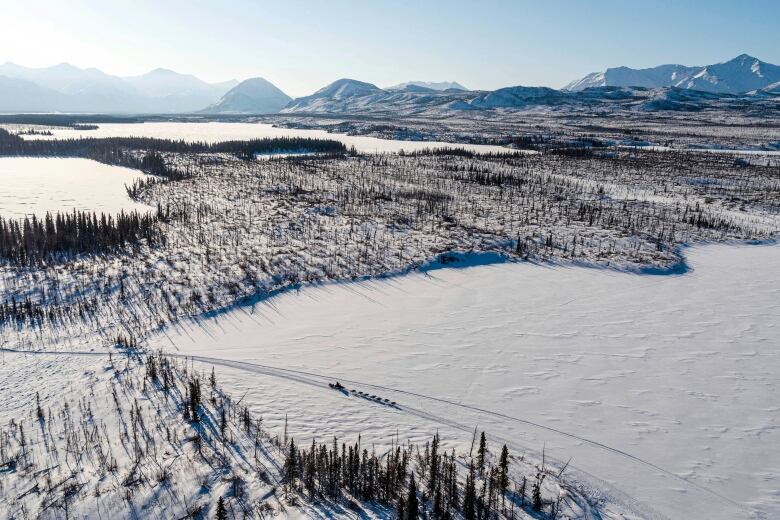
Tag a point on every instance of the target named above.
point(577, 494)
point(292, 373)
point(320, 380)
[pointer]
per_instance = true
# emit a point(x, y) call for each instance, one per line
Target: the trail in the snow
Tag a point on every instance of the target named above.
point(320, 381)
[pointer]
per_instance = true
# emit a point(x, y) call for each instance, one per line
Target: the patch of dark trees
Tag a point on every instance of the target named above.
point(443, 487)
point(461, 152)
point(34, 241)
point(32, 131)
point(108, 148)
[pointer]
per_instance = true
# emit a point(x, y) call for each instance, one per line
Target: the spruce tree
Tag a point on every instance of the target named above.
point(437, 506)
point(469, 495)
point(412, 505)
point(434, 465)
point(503, 464)
point(400, 509)
point(536, 492)
point(221, 511)
point(481, 453)
point(291, 464)
point(522, 493)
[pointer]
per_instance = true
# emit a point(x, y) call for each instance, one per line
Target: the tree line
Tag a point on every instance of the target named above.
point(105, 148)
point(34, 241)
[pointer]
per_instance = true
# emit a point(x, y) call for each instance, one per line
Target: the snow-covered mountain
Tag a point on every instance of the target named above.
point(656, 77)
point(15, 93)
point(739, 75)
point(176, 92)
point(165, 82)
point(433, 85)
point(67, 88)
point(351, 97)
point(251, 96)
point(70, 80)
point(339, 96)
point(742, 74)
point(345, 87)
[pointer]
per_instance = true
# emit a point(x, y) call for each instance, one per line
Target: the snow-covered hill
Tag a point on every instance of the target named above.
point(252, 96)
point(739, 75)
point(518, 97)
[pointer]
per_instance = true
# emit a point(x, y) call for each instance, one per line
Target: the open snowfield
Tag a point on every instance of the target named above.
point(679, 371)
point(34, 185)
point(213, 132)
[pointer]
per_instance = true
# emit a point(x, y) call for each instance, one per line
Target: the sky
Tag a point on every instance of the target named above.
point(303, 45)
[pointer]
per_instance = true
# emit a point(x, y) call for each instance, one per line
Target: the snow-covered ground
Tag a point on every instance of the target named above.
point(34, 185)
point(679, 371)
point(660, 388)
point(113, 441)
point(213, 132)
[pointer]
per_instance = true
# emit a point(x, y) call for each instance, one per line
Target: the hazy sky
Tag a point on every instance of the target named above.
point(303, 45)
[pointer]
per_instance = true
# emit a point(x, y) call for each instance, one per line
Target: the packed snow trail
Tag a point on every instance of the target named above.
point(321, 381)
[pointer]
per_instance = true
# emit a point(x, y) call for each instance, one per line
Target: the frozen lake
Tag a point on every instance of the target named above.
point(40, 185)
point(678, 371)
point(215, 131)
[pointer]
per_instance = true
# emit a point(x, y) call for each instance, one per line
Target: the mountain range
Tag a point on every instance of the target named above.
point(352, 97)
point(737, 76)
point(65, 88)
point(740, 83)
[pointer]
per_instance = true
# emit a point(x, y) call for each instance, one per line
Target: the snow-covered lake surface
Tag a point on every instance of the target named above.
point(41, 185)
point(215, 131)
point(680, 371)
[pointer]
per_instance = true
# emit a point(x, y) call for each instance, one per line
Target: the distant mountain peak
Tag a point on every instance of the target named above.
point(738, 75)
point(347, 87)
point(251, 96)
point(744, 57)
point(161, 71)
point(432, 85)
point(65, 65)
